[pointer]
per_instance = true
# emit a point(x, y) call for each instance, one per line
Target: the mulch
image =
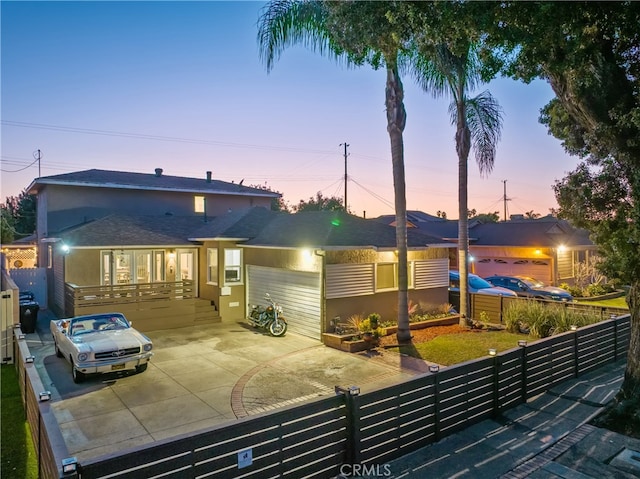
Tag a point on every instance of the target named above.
point(424, 335)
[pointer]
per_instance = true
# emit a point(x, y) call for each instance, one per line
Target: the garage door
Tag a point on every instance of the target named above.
point(535, 268)
point(297, 292)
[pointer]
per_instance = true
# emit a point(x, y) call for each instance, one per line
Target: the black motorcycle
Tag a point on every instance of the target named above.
point(269, 318)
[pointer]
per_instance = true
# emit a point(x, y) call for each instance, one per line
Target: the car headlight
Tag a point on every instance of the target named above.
point(83, 356)
point(148, 347)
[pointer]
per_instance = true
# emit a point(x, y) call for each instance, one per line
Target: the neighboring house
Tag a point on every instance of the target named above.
point(317, 265)
point(547, 248)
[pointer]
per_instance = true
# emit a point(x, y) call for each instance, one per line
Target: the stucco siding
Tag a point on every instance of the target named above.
point(71, 206)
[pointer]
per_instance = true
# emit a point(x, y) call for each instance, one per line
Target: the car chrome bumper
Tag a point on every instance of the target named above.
point(106, 366)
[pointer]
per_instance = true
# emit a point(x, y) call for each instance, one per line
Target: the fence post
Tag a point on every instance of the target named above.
point(433, 369)
point(496, 378)
point(352, 404)
point(615, 337)
point(523, 348)
point(576, 365)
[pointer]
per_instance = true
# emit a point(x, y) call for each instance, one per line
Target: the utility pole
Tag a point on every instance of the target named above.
point(505, 199)
point(346, 145)
point(38, 156)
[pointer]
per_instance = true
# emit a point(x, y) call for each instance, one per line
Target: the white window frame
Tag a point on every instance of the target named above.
point(233, 265)
point(212, 266)
point(199, 204)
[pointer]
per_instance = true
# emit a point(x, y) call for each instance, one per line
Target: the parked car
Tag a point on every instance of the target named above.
point(100, 343)
point(476, 285)
point(530, 288)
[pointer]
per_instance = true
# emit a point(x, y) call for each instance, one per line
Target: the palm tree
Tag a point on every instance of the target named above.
point(478, 122)
point(358, 33)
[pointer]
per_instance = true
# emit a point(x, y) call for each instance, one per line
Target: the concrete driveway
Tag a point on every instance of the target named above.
point(198, 378)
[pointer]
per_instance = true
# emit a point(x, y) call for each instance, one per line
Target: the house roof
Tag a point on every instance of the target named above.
point(323, 229)
point(125, 230)
point(258, 225)
point(541, 232)
point(548, 231)
point(147, 181)
point(241, 224)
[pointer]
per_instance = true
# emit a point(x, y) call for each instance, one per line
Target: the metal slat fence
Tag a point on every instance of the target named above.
point(316, 439)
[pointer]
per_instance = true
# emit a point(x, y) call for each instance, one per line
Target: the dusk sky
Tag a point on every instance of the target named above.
point(134, 86)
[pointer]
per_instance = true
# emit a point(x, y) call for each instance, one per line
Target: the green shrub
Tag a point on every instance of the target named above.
point(540, 319)
point(575, 291)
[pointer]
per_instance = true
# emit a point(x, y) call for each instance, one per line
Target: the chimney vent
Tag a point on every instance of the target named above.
point(208, 177)
point(158, 172)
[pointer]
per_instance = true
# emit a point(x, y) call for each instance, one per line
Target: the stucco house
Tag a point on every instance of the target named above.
point(71, 199)
point(548, 248)
point(171, 271)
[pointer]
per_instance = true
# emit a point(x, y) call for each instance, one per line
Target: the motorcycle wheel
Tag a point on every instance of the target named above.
point(278, 327)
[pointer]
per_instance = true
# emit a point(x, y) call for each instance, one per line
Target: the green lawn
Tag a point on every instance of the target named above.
point(456, 348)
point(17, 454)
point(610, 303)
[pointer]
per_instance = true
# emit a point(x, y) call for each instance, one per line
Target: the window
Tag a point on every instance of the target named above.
point(232, 265)
point(212, 265)
point(158, 266)
point(386, 276)
point(199, 204)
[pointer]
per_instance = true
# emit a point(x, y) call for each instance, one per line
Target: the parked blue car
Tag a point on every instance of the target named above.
point(527, 287)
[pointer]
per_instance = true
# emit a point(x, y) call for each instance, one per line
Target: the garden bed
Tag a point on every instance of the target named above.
point(346, 342)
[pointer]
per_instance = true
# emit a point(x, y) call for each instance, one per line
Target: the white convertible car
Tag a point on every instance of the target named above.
point(100, 343)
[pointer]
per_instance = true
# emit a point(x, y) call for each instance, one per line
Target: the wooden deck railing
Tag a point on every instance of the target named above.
point(79, 297)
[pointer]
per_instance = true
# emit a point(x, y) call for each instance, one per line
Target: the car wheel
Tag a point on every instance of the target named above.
point(58, 353)
point(142, 368)
point(78, 376)
point(278, 327)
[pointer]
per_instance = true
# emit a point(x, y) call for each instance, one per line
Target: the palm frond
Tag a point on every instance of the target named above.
point(484, 119)
point(284, 23)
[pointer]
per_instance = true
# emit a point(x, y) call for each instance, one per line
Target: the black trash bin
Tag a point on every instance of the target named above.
point(28, 312)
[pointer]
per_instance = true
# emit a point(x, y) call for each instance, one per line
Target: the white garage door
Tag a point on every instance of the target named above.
point(297, 292)
point(535, 268)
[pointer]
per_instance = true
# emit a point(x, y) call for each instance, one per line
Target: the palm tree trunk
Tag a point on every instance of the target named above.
point(396, 119)
point(463, 146)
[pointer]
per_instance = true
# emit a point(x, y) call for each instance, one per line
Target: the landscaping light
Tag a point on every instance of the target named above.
point(573, 327)
point(350, 390)
point(45, 396)
point(522, 342)
point(29, 359)
point(492, 352)
point(69, 465)
point(21, 336)
point(434, 368)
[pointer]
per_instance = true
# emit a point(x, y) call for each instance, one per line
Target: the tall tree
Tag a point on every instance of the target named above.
point(589, 54)
point(478, 122)
point(320, 203)
point(18, 216)
point(358, 32)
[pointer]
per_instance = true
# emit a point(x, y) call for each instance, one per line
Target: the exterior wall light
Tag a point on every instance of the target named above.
point(29, 359)
point(492, 352)
point(434, 368)
point(44, 396)
point(21, 336)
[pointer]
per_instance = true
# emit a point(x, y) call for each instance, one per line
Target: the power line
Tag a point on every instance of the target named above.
point(141, 136)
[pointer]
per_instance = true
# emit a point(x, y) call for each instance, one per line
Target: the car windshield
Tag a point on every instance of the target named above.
point(478, 283)
point(533, 283)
